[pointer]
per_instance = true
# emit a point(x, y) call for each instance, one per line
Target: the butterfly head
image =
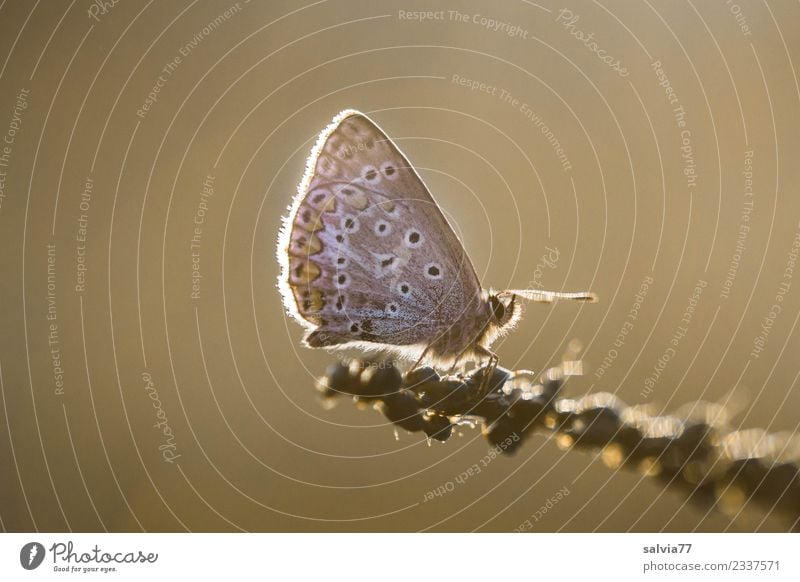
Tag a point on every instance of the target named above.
point(506, 306)
point(505, 310)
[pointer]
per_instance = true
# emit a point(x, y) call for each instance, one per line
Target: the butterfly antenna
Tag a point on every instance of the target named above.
point(551, 296)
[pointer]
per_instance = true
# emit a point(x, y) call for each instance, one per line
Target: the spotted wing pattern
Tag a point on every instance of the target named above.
point(367, 255)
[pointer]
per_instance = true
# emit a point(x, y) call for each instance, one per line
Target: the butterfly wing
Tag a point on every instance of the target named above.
point(367, 254)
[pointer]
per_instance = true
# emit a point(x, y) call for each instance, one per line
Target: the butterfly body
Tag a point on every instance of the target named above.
point(368, 260)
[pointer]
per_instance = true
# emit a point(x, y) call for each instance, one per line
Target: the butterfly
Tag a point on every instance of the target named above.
point(369, 261)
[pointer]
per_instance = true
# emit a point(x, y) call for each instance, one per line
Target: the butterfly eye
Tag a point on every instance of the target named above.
point(498, 309)
point(412, 238)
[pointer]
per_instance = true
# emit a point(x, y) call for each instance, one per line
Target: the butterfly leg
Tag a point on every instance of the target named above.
point(453, 367)
point(488, 371)
point(420, 359)
point(476, 350)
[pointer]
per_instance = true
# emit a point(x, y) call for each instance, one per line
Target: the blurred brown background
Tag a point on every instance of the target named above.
point(134, 401)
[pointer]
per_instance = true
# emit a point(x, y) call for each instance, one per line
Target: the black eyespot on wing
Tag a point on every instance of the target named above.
point(413, 238)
